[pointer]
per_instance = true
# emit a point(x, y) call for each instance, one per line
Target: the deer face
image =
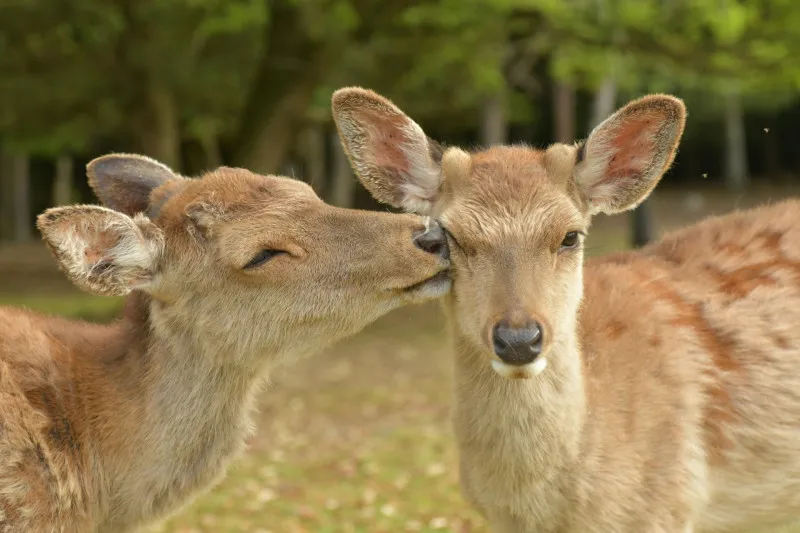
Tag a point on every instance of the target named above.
point(516, 217)
point(249, 262)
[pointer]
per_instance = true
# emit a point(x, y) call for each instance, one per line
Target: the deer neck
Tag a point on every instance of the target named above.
point(519, 438)
point(182, 414)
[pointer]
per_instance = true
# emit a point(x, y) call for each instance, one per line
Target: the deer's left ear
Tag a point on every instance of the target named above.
point(103, 251)
point(628, 153)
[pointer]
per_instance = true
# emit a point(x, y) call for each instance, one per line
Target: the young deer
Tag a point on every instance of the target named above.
point(107, 428)
point(649, 391)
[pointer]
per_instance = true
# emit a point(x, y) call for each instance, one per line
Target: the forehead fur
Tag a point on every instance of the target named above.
point(521, 188)
point(229, 190)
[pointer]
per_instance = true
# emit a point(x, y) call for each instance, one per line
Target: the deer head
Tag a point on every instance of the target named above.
point(248, 263)
point(516, 216)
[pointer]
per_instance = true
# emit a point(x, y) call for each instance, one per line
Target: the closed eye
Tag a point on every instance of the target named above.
point(262, 257)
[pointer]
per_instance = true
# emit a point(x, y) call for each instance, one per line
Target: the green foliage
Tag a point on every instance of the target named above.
point(77, 72)
point(49, 97)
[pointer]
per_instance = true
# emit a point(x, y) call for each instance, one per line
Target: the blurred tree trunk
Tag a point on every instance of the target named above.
point(20, 177)
point(200, 154)
point(641, 225)
point(343, 182)
point(605, 101)
point(6, 198)
point(292, 66)
point(494, 124)
point(63, 182)
point(564, 105)
point(148, 100)
point(268, 140)
point(736, 175)
point(211, 152)
point(158, 129)
point(772, 156)
point(691, 162)
point(314, 152)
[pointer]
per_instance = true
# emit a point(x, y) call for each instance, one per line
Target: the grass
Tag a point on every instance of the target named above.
point(398, 479)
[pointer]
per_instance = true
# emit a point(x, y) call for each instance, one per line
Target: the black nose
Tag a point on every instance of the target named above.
point(517, 346)
point(433, 240)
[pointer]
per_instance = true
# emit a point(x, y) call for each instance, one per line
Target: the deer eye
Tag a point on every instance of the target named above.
point(571, 240)
point(262, 257)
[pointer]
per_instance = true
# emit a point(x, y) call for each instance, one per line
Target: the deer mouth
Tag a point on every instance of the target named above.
point(435, 285)
point(527, 371)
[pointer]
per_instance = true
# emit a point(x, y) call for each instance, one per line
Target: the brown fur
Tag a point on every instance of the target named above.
point(105, 428)
point(670, 401)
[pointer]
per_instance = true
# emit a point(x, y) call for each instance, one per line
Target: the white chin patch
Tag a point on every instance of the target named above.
point(520, 372)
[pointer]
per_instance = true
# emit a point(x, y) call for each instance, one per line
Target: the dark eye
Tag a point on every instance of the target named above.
point(571, 240)
point(262, 257)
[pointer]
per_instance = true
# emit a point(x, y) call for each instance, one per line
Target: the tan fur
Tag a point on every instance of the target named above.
point(670, 400)
point(107, 428)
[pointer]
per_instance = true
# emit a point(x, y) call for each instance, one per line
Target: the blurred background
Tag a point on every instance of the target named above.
point(358, 439)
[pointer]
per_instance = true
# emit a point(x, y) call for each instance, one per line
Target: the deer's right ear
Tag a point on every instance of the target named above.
point(124, 182)
point(394, 159)
point(102, 251)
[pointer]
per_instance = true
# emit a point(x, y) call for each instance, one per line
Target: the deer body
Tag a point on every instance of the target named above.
point(107, 428)
point(652, 391)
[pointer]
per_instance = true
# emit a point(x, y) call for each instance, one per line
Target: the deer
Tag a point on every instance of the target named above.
point(105, 428)
point(654, 390)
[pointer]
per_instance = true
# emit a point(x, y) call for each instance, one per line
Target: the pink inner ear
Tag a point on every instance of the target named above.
point(97, 249)
point(92, 256)
point(634, 146)
point(386, 138)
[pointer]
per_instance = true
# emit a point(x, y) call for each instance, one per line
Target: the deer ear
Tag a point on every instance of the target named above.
point(627, 154)
point(124, 182)
point(103, 251)
point(392, 156)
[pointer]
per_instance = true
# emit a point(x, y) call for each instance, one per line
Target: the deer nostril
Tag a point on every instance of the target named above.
point(433, 240)
point(517, 346)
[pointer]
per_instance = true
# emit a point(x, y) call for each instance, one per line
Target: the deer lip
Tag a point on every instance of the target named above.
point(439, 277)
point(527, 371)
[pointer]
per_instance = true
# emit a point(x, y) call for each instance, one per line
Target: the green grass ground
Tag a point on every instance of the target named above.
point(356, 439)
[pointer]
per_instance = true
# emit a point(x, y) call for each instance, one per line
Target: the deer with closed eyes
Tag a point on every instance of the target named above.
point(107, 428)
